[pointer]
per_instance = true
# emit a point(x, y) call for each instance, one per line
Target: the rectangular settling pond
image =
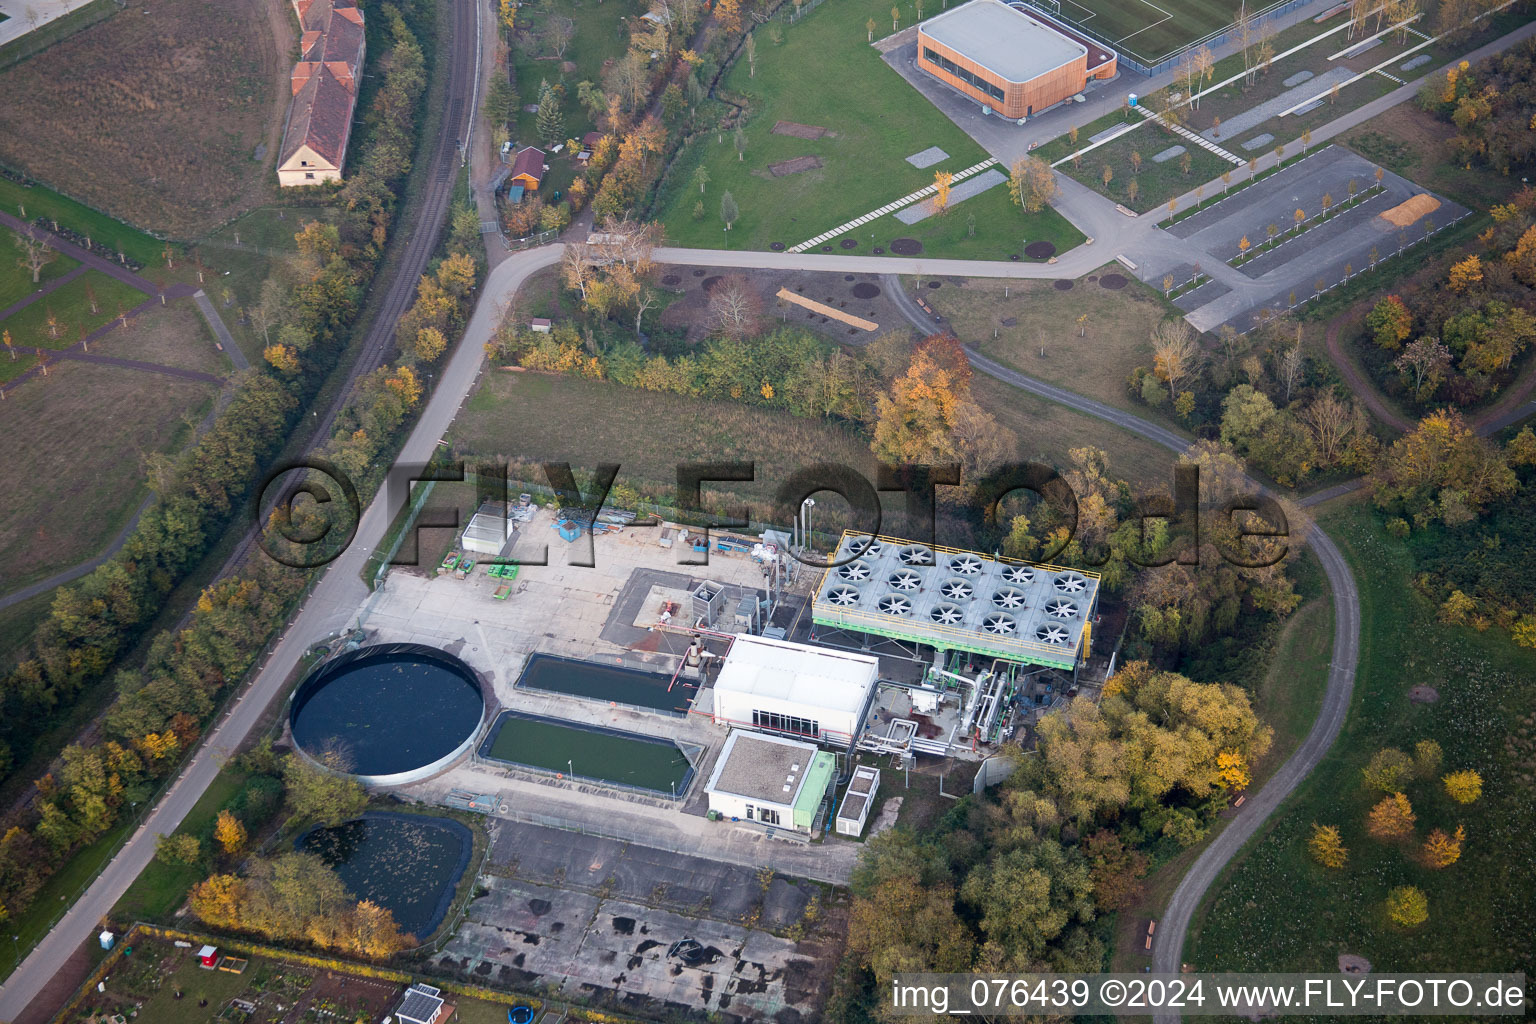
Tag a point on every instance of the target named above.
point(613, 683)
point(588, 752)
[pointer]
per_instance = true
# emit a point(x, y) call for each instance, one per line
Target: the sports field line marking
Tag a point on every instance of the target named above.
point(1166, 16)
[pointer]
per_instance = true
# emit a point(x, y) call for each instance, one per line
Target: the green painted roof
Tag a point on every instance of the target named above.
point(817, 778)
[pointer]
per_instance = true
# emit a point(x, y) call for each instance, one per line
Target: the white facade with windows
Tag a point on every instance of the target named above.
point(770, 780)
point(812, 693)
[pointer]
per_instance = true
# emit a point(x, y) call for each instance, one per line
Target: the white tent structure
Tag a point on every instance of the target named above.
point(488, 530)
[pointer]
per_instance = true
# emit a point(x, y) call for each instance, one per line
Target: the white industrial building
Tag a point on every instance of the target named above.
point(771, 780)
point(853, 812)
point(795, 689)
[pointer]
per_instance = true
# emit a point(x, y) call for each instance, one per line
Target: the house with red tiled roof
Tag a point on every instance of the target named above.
point(528, 169)
point(324, 82)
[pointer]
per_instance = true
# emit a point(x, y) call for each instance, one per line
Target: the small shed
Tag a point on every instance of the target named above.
point(423, 1004)
point(540, 325)
point(208, 957)
point(528, 169)
point(853, 812)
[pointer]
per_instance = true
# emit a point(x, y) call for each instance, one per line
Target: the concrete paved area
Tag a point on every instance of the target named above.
point(22, 16)
point(615, 952)
point(1288, 274)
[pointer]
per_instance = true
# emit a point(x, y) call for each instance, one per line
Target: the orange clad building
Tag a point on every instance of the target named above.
point(1008, 58)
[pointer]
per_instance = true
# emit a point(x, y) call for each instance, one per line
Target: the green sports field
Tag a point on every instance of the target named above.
point(1148, 31)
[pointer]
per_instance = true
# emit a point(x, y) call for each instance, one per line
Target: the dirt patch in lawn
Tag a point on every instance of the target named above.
point(1063, 286)
point(794, 166)
point(1040, 250)
point(799, 131)
point(865, 290)
point(1114, 282)
point(1423, 694)
point(906, 246)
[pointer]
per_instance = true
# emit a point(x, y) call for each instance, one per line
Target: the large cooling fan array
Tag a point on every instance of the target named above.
point(854, 571)
point(965, 565)
point(999, 625)
point(1009, 598)
point(957, 590)
point(1070, 583)
point(915, 554)
point(1060, 608)
point(946, 615)
point(864, 546)
point(843, 597)
point(905, 579)
point(894, 604)
point(1051, 633)
point(1019, 574)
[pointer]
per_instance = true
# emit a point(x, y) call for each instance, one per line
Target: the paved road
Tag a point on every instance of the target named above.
point(1168, 950)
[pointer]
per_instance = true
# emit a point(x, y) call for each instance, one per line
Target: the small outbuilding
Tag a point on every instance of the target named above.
point(540, 325)
point(208, 957)
point(771, 780)
point(423, 1004)
point(488, 531)
point(528, 169)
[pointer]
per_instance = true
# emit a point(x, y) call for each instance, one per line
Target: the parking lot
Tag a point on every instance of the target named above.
point(1306, 262)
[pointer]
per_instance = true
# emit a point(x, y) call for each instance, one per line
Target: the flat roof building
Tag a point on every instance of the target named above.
point(816, 693)
point(1009, 58)
point(774, 781)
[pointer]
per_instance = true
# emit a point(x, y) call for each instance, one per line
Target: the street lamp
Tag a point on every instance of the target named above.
point(805, 529)
point(569, 769)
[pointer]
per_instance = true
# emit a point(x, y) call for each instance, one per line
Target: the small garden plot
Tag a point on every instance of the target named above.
point(588, 752)
point(408, 864)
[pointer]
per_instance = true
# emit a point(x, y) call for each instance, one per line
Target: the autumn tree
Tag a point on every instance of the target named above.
point(941, 183)
point(1388, 771)
point(430, 344)
point(1466, 273)
point(729, 211)
point(1326, 847)
point(1407, 906)
point(321, 792)
point(1115, 869)
point(178, 848)
point(1032, 183)
point(1424, 362)
point(1441, 850)
point(916, 419)
point(229, 832)
point(1392, 818)
point(1175, 353)
point(1464, 786)
point(1442, 470)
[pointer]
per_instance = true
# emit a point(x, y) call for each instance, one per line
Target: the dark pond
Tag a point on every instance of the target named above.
point(406, 863)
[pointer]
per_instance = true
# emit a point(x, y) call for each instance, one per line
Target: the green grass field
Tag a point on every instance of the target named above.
point(989, 226)
point(827, 75)
point(71, 306)
point(43, 202)
point(161, 888)
point(15, 281)
point(1276, 910)
point(1149, 30)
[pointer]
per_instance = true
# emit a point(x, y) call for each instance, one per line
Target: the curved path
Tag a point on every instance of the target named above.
point(1167, 956)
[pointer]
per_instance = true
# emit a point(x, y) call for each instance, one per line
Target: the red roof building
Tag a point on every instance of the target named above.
point(324, 82)
point(528, 169)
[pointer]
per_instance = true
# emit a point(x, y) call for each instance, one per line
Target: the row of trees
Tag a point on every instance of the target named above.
point(158, 707)
point(1016, 880)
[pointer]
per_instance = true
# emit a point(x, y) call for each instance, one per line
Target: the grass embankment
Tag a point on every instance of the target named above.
point(1275, 909)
